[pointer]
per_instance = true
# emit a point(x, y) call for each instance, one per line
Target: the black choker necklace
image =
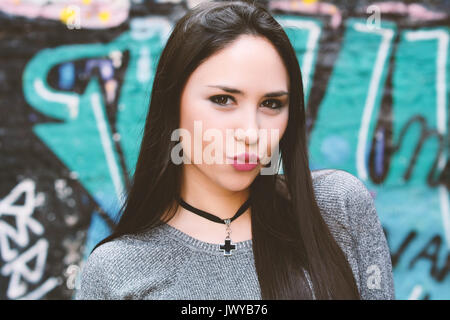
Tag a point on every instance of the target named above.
point(228, 245)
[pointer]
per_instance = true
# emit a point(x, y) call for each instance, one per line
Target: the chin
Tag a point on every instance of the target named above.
point(236, 181)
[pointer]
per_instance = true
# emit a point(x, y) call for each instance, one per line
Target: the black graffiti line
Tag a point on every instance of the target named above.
point(432, 255)
point(425, 133)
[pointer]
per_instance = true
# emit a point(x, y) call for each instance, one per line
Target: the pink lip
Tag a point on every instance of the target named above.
point(243, 163)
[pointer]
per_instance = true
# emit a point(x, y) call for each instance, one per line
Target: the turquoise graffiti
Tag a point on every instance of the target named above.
point(383, 117)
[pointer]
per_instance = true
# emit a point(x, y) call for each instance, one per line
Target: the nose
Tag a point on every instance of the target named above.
point(247, 131)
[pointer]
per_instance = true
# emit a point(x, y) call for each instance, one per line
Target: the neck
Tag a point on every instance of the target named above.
point(202, 193)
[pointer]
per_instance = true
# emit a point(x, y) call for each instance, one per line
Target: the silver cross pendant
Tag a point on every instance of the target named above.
point(228, 245)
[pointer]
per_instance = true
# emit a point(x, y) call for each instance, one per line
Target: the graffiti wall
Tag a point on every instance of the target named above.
point(75, 80)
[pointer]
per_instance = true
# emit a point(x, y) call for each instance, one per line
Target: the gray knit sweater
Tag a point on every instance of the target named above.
point(165, 263)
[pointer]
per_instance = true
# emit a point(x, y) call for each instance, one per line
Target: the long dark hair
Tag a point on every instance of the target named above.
point(288, 231)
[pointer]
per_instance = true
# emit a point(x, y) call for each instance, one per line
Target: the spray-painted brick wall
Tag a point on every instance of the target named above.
point(75, 80)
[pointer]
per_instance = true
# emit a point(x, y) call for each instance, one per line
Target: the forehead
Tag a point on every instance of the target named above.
point(250, 62)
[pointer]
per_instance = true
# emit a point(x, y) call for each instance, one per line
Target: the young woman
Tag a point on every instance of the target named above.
point(226, 230)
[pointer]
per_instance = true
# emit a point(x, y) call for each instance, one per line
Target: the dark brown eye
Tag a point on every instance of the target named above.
point(274, 104)
point(220, 99)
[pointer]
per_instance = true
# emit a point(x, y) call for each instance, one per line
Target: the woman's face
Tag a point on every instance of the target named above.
point(235, 102)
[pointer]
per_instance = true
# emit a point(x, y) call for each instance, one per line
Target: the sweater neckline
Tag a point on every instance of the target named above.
point(203, 245)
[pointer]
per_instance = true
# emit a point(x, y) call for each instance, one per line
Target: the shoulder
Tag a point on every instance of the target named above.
point(130, 248)
point(345, 200)
point(335, 191)
point(337, 181)
point(107, 269)
point(97, 280)
point(112, 252)
point(345, 204)
point(339, 190)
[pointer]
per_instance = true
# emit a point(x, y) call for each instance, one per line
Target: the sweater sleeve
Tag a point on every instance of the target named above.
point(94, 283)
point(372, 251)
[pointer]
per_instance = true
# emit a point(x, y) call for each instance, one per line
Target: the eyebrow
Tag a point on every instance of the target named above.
point(237, 91)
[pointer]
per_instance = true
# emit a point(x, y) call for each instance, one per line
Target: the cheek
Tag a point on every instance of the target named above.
point(201, 121)
point(275, 129)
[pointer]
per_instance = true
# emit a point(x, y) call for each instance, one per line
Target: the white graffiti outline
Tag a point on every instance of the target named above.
point(16, 264)
point(382, 55)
